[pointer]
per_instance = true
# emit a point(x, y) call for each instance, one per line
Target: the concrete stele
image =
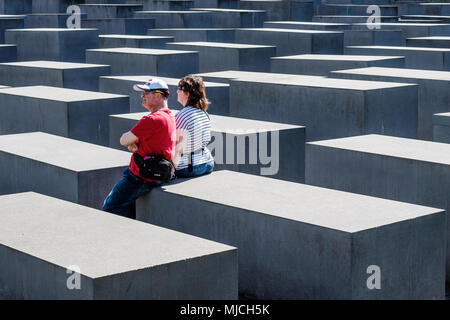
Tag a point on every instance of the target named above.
point(41, 238)
point(400, 169)
point(289, 234)
point(76, 114)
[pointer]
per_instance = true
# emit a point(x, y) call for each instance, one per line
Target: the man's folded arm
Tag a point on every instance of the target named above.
point(128, 138)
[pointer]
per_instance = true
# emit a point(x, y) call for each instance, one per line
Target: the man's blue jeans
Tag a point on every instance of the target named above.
point(197, 170)
point(122, 197)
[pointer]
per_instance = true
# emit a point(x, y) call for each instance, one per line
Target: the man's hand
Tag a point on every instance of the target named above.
point(128, 138)
point(133, 147)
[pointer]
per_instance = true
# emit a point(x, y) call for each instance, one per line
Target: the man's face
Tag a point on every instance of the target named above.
point(150, 100)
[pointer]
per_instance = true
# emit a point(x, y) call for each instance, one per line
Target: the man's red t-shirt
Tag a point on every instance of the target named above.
point(156, 134)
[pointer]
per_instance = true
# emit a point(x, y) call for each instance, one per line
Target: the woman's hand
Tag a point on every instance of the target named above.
point(133, 147)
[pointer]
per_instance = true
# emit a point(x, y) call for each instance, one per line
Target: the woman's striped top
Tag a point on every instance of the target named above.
point(196, 126)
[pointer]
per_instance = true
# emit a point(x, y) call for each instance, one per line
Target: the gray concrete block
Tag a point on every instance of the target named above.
point(217, 93)
point(373, 37)
point(302, 242)
point(407, 170)
point(431, 42)
point(415, 57)
point(227, 76)
point(226, 4)
point(100, 11)
point(53, 73)
point(216, 56)
point(241, 145)
point(10, 22)
point(133, 41)
point(290, 42)
point(354, 10)
point(8, 52)
point(52, 44)
point(351, 19)
point(434, 93)
point(48, 20)
point(328, 107)
point(167, 5)
point(411, 29)
point(64, 168)
point(77, 114)
point(138, 61)
point(15, 6)
point(235, 18)
point(131, 26)
point(178, 19)
point(441, 127)
point(429, 8)
point(302, 10)
point(54, 6)
point(305, 25)
point(196, 34)
point(141, 261)
point(322, 64)
point(276, 10)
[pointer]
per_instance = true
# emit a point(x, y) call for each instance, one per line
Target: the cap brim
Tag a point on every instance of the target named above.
point(140, 87)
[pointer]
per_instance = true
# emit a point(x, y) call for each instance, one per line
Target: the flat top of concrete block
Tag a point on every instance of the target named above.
point(169, 81)
point(421, 21)
point(195, 29)
point(335, 57)
point(442, 119)
point(402, 48)
point(53, 65)
point(154, 52)
point(414, 149)
point(111, 4)
point(430, 38)
point(408, 24)
point(3, 87)
point(288, 30)
point(424, 16)
point(358, 5)
point(11, 16)
point(232, 74)
point(345, 17)
point(59, 94)
point(344, 211)
point(221, 45)
point(63, 152)
point(400, 73)
point(51, 30)
point(99, 243)
point(321, 82)
point(433, 4)
point(307, 23)
point(226, 10)
point(174, 11)
point(226, 124)
point(125, 36)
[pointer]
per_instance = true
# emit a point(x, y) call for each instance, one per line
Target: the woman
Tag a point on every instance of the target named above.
point(193, 129)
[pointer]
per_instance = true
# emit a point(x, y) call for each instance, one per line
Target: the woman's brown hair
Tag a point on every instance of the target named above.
point(196, 88)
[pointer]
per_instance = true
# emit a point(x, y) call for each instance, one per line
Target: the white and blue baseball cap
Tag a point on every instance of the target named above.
point(154, 84)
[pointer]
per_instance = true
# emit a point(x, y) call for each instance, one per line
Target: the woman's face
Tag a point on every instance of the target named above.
point(183, 97)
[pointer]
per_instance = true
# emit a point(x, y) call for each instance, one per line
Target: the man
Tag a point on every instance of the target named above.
point(155, 133)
